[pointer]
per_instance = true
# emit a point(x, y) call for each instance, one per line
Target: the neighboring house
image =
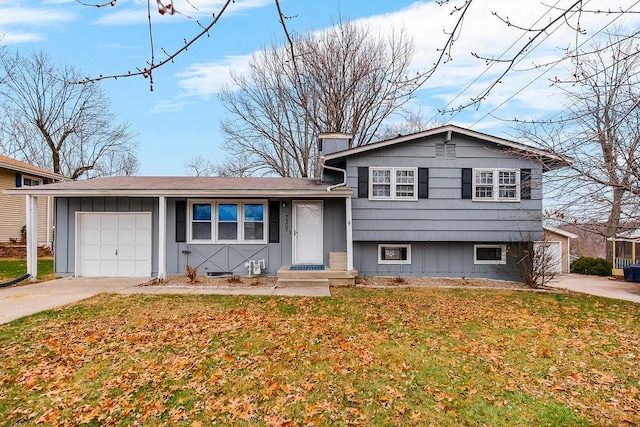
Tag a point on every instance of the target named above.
point(558, 244)
point(626, 250)
point(446, 202)
point(14, 173)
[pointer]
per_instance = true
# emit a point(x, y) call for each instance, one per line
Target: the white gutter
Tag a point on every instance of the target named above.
point(348, 213)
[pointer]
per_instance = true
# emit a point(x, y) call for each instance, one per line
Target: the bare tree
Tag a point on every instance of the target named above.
point(344, 79)
point(600, 130)
point(199, 166)
point(52, 122)
point(573, 14)
point(411, 122)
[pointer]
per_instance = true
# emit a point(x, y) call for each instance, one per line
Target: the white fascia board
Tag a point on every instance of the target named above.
point(560, 232)
point(34, 173)
point(182, 193)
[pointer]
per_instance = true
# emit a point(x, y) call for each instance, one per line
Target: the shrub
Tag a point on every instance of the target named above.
point(191, 272)
point(234, 279)
point(593, 266)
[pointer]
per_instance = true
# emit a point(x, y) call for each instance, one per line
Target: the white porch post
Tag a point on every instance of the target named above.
point(349, 235)
point(32, 236)
point(162, 237)
point(48, 237)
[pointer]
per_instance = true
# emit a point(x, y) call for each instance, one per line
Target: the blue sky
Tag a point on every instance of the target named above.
point(180, 118)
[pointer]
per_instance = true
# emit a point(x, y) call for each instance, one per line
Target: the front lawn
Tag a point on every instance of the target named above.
point(439, 357)
point(13, 268)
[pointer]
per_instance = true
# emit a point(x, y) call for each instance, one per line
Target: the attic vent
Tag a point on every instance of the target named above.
point(447, 151)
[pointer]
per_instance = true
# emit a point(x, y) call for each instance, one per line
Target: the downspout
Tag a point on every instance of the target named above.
point(344, 174)
point(347, 209)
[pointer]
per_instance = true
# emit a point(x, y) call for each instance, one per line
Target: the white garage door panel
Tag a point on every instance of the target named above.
point(114, 244)
point(549, 255)
point(91, 267)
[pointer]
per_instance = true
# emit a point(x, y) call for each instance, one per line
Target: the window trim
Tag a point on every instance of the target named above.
point(394, 262)
point(502, 260)
point(495, 185)
point(31, 178)
point(240, 223)
point(393, 184)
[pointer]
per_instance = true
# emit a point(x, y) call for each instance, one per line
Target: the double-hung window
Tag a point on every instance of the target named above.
point(393, 183)
point(496, 185)
point(227, 222)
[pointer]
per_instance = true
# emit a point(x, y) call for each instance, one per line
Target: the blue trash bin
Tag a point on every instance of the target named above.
point(632, 273)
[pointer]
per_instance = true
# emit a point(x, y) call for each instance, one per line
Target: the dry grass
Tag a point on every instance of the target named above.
point(369, 357)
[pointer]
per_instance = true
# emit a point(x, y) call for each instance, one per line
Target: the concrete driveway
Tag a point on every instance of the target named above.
point(600, 286)
point(19, 301)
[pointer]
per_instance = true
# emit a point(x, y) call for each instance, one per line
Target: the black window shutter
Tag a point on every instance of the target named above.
point(18, 180)
point(181, 220)
point(423, 183)
point(467, 183)
point(525, 184)
point(274, 221)
point(363, 182)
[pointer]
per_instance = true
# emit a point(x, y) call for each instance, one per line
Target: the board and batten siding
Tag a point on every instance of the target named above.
point(230, 258)
point(13, 212)
point(65, 223)
point(435, 259)
point(444, 216)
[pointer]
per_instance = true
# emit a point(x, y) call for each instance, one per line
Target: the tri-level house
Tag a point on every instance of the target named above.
point(447, 202)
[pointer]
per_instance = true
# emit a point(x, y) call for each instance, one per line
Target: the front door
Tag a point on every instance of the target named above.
point(307, 233)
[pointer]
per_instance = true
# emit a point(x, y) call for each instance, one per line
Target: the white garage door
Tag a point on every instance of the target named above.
point(549, 256)
point(114, 244)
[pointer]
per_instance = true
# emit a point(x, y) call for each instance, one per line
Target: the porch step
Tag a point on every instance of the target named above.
point(302, 283)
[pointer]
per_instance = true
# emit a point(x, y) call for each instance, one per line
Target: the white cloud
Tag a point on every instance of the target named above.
point(185, 9)
point(33, 16)
point(168, 106)
point(526, 88)
point(17, 38)
point(457, 81)
point(206, 79)
point(15, 20)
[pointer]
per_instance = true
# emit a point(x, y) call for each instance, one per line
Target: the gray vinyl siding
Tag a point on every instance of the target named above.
point(434, 259)
point(216, 258)
point(445, 216)
point(334, 227)
point(208, 258)
point(65, 225)
point(226, 258)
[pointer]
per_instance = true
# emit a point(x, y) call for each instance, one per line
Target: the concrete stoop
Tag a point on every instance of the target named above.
point(315, 277)
point(302, 283)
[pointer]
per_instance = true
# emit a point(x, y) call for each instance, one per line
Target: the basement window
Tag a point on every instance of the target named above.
point(490, 254)
point(394, 254)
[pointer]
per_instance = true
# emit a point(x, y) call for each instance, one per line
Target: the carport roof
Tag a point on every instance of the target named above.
point(182, 186)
